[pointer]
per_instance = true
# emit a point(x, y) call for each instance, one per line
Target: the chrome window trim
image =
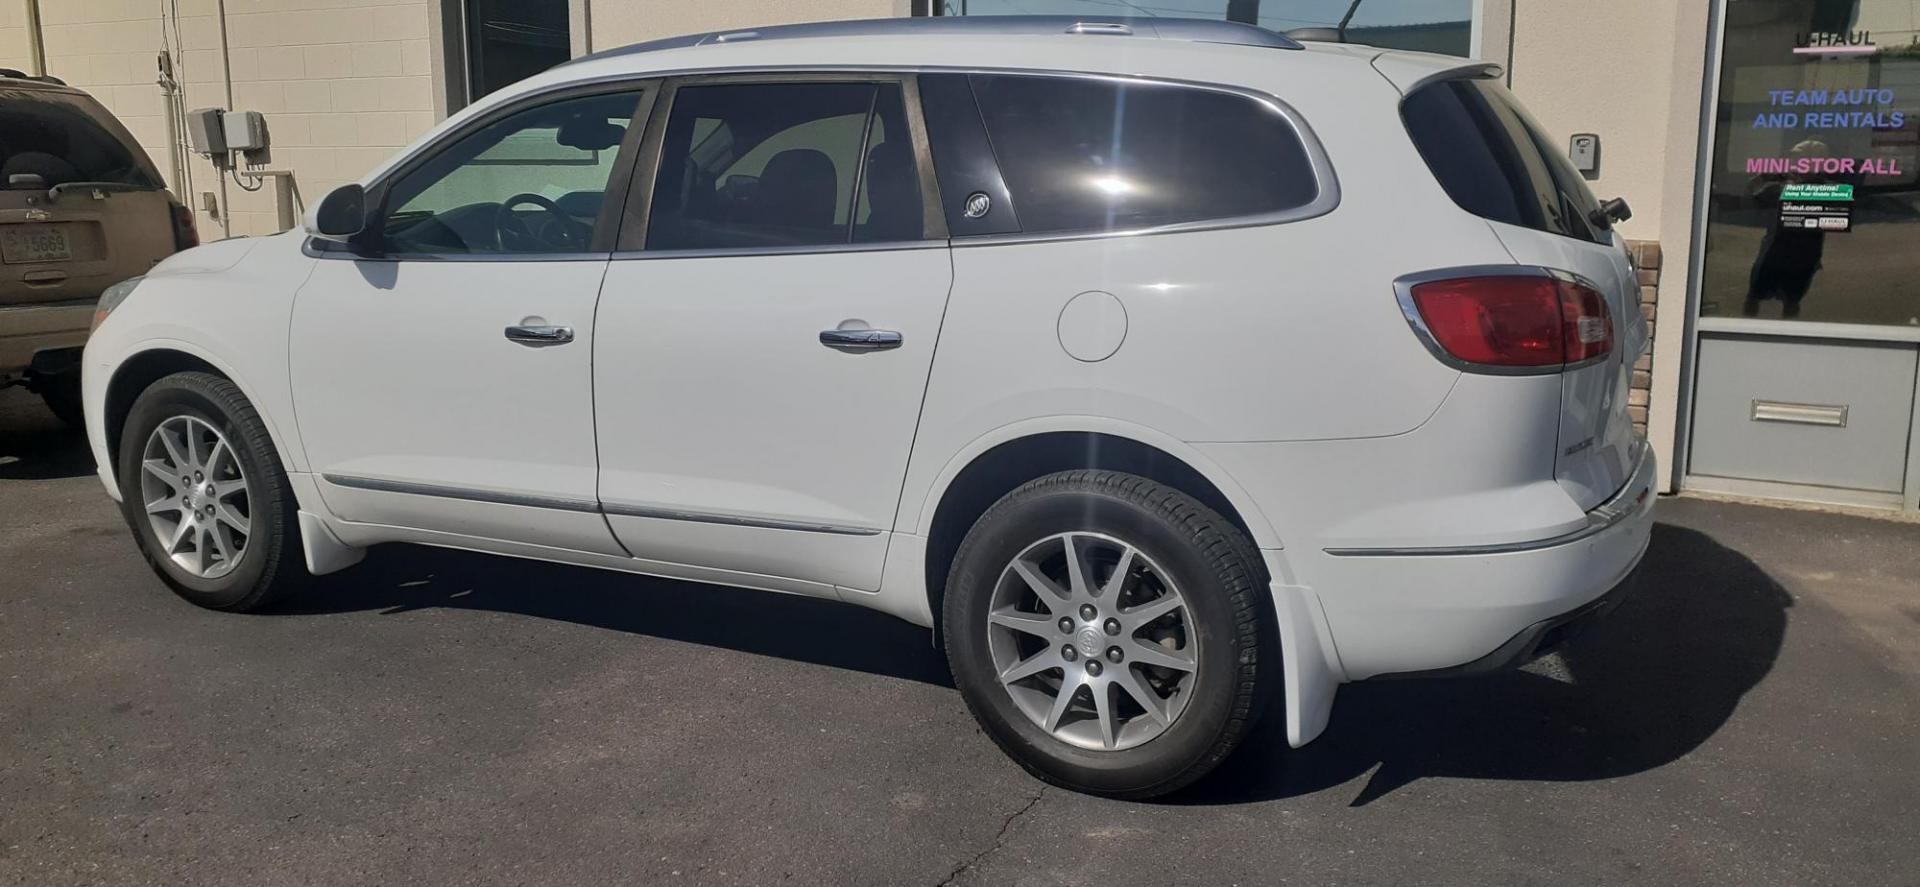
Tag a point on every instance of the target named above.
point(1403, 293)
point(378, 485)
point(1632, 497)
point(313, 252)
point(735, 252)
point(1325, 201)
point(615, 509)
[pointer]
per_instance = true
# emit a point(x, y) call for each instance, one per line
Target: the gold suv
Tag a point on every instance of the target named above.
point(81, 208)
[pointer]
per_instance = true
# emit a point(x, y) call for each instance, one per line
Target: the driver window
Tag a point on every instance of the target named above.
point(529, 182)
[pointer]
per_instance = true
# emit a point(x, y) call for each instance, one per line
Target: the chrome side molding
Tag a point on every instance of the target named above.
point(561, 503)
point(702, 517)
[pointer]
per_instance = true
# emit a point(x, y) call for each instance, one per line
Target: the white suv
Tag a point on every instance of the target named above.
point(1164, 368)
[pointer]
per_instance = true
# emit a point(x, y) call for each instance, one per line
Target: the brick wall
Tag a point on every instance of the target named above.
point(343, 83)
point(1646, 256)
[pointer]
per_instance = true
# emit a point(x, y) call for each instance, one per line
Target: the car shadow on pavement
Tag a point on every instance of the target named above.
point(1647, 684)
point(1641, 688)
point(403, 578)
point(36, 446)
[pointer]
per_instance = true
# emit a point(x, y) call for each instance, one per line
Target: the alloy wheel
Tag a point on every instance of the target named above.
point(1093, 641)
point(197, 503)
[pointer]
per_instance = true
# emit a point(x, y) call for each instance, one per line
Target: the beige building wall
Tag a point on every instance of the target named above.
point(13, 37)
point(620, 22)
point(342, 83)
point(1633, 72)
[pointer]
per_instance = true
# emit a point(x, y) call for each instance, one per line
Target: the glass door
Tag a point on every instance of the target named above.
point(1809, 304)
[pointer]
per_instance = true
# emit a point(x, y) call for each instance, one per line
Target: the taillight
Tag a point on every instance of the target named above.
point(1524, 321)
point(185, 236)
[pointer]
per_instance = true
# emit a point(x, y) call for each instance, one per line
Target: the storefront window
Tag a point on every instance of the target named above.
point(1814, 208)
point(1427, 25)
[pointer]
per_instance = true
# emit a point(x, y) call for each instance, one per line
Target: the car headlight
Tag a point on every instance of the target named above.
point(111, 299)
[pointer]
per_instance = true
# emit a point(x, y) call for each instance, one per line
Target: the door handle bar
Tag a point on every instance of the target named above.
point(543, 334)
point(860, 340)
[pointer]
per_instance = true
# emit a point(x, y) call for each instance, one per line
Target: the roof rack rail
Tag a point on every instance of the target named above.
point(18, 74)
point(1187, 29)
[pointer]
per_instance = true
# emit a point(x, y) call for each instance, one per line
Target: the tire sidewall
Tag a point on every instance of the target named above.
point(169, 398)
point(1018, 523)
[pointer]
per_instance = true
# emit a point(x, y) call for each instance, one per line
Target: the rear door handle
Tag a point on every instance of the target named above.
point(540, 334)
point(860, 340)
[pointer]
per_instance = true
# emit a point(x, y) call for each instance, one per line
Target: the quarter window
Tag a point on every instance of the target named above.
point(1493, 160)
point(756, 165)
point(1091, 155)
point(529, 182)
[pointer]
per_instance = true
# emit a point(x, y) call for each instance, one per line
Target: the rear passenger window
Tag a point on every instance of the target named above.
point(757, 165)
point(1494, 162)
point(1081, 154)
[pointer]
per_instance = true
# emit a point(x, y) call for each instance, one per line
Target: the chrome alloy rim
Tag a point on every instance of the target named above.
point(196, 497)
point(1093, 641)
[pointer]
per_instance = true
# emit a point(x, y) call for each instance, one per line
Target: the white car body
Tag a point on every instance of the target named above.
point(1412, 517)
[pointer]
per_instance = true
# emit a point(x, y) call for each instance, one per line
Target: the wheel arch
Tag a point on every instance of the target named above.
point(152, 363)
point(997, 464)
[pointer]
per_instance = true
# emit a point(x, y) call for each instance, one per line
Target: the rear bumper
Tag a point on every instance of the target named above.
point(1534, 641)
point(27, 330)
point(1410, 610)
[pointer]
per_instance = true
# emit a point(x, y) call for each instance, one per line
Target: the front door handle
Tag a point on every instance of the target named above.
point(860, 340)
point(540, 334)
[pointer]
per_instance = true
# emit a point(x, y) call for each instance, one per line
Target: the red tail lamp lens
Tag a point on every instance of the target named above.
point(1515, 321)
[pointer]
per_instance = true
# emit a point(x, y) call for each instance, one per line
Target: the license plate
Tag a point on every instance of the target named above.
point(26, 244)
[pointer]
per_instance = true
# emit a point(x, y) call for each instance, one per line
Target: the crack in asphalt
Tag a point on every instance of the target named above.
point(1000, 838)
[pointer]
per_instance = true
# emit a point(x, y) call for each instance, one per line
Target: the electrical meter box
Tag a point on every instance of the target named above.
point(245, 131)
point(206, 133)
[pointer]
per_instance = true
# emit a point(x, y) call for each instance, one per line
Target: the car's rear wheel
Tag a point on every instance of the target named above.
point(202, 488)
point(1107, 632)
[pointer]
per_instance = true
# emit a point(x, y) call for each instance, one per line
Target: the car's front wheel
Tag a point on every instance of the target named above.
point(202, 488)
point(1108, 633)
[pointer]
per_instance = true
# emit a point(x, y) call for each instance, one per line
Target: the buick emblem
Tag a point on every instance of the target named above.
point(978, 203)
point(1089, 640)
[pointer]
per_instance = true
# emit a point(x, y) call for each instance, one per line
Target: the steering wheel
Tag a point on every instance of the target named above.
point(513, 235)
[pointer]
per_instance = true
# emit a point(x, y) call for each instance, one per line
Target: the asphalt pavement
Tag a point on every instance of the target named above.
point(1750, 716)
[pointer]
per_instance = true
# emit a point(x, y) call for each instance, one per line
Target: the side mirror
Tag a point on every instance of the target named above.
point(338, 216)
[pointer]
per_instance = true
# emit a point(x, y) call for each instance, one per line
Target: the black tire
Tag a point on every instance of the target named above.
point(1220, 575)
point(62, 397)
point(271, 565)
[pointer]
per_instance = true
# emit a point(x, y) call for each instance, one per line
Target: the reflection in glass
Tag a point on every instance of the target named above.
point(1814, 206)
point(1444, 26)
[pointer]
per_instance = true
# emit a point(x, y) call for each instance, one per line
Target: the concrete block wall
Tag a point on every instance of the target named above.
point(343, 83)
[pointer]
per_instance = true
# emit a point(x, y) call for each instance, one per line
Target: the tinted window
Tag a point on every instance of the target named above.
point(1090, 155)
point(785, 164)
point(529, 182)
point(1493, 160)
point(60, 138)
